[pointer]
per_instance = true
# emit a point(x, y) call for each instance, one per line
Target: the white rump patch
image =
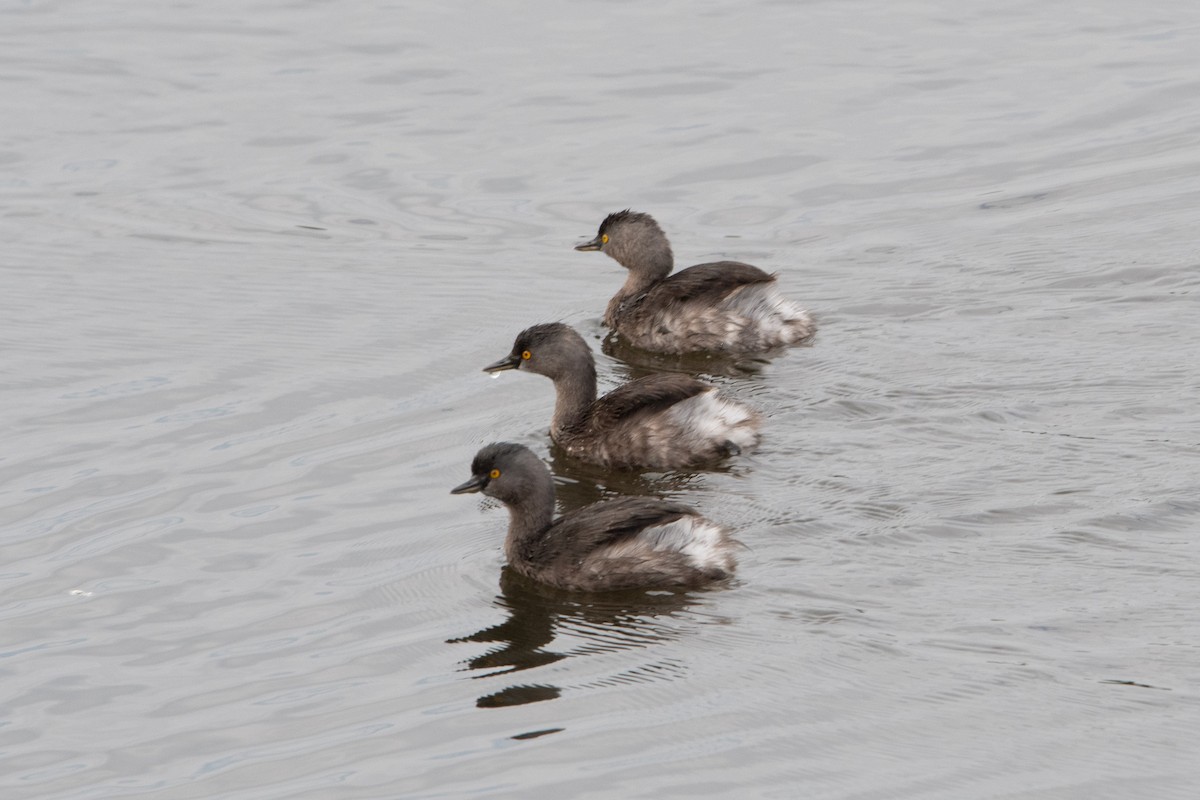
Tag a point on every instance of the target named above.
point(769, 312)
point(708, 417)
point(703, 543)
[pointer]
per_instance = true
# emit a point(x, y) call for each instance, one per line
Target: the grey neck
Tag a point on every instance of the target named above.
point(529, 516)
point(575, 392)
point(646, 253)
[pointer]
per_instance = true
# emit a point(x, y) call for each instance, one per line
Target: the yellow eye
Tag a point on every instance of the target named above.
point(494, 474)
point(604, 238)
point(526, 355)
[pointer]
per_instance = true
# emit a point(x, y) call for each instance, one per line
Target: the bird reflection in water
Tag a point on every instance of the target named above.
point(608, 621)
point(538, 613)
point(579, 483)
point(634, 363)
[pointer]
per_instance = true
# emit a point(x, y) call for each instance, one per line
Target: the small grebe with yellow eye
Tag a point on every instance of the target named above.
point(665, 421)
point(721, 306)
point(622, 543)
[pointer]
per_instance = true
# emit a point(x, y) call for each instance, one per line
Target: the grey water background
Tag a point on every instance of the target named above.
point(254, 256)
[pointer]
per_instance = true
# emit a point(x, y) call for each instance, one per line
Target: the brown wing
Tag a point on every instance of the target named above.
point(705, 282)
point(581, 531)
point(650, 393)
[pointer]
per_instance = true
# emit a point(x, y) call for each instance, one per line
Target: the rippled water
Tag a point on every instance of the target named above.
point(255, 258)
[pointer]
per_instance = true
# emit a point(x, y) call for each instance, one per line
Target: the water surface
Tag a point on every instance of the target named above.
point(256, 257)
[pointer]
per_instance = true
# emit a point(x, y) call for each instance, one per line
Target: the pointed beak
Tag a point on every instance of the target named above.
point(510, 361)
point(475, 484)
point(594, 244)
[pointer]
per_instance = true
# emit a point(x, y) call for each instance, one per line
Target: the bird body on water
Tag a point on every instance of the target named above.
point(663, 421)
point(622, 543)
point(723, 306)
